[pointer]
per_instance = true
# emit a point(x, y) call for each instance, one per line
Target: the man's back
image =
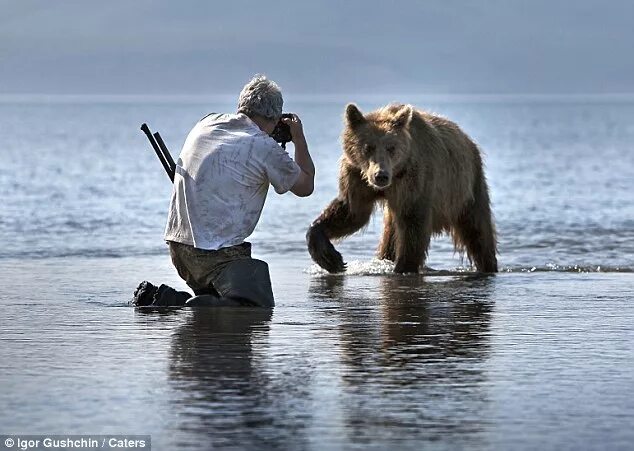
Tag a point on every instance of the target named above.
point(221, 182)
point(220, 185)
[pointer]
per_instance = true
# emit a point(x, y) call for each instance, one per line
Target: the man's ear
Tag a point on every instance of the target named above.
point(402, 117)
point(354, 116)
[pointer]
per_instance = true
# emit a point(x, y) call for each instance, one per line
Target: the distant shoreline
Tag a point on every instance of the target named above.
point(319, 98)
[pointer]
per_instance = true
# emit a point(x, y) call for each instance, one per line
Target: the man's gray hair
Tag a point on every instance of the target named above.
point(261, 97)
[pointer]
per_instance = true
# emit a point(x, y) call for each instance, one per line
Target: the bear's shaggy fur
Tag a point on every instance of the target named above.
point(425, 171)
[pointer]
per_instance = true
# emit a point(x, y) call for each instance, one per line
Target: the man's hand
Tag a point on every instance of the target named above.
point(297, 130)
point(306, 182)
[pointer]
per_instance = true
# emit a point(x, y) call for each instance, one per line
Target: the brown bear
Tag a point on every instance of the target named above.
point(428, 176)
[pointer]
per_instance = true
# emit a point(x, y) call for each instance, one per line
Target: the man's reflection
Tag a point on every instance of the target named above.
point(220, 389)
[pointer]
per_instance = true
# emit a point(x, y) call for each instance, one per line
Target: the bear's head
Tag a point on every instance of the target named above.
point(378, 144)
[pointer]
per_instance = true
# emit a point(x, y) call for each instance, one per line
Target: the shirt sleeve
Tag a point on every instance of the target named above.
point(281, 170)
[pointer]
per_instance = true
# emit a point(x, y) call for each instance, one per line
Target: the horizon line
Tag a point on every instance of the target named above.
point(320, 97)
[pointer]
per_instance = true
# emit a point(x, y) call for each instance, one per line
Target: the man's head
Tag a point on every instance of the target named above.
point(261, 100)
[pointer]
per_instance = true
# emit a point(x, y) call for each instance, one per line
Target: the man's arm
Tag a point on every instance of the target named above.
point(305, 183)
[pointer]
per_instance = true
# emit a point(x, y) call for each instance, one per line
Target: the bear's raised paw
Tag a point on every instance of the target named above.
point(322, 251)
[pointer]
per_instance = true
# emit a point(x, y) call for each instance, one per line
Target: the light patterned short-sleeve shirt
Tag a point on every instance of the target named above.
point(222, 178)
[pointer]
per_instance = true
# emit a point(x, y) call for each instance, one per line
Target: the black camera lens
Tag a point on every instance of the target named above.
point(282, 132)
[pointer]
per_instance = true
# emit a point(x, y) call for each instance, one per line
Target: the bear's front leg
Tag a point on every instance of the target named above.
point(339, 219)
point(322, 251)
point(386, 249)
point(412, 237)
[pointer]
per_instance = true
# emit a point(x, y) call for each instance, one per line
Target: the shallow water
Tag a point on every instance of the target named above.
point(538, 356)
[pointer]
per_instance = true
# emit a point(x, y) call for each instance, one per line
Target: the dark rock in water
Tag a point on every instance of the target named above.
point(149, 295)
point(144, 294)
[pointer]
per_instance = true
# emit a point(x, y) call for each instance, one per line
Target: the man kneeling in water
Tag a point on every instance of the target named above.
point(221, 182)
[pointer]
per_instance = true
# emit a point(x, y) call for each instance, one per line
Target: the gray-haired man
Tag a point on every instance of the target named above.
point(221, 182)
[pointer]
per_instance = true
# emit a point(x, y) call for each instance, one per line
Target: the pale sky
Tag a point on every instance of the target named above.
point(350, 47)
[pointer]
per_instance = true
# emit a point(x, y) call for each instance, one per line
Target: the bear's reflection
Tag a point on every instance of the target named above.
point(406, 318)
point(413, 352)
point(438, 319)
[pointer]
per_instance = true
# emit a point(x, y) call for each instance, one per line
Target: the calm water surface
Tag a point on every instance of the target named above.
point(538, 356)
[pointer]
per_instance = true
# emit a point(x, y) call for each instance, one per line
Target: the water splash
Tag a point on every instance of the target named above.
point(573, 268)
point(376, 267)
point(358, 268)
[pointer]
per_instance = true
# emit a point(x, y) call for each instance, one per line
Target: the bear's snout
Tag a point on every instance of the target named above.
point(381, 178)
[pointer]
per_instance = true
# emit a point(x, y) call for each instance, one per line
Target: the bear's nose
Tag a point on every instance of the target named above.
point(381, 178)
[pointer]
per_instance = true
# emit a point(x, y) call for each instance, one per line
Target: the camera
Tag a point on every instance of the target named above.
point(282, 132)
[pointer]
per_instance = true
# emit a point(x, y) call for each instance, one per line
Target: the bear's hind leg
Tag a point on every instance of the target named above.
point(476, 235)
point(475, 232)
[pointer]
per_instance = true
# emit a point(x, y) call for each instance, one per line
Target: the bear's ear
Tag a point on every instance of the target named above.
point(354, 116)
point(402, 117)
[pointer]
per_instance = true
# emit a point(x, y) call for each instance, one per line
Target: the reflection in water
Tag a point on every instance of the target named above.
point(438, 320)
point(212, 370)
point(413, 353)
point(387, 357)
point(228, 391)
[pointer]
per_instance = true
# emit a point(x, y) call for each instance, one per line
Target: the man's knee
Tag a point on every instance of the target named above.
point(247, 279)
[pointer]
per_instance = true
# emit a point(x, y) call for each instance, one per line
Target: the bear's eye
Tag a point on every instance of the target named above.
point(369, 148)
point(390, 149)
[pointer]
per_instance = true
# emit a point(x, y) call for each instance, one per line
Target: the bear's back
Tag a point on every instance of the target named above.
point(451, 157)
